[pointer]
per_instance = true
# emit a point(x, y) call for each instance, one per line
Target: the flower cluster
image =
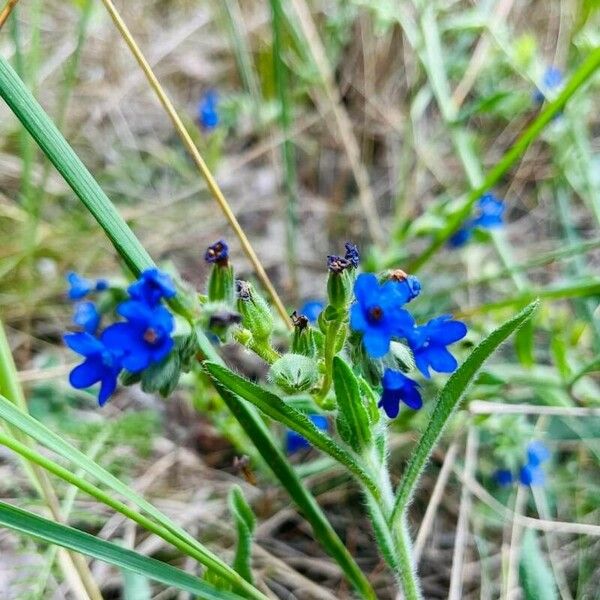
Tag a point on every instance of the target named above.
point(208, 116)
point(531, 472)
point(379, 315)
point(489, 215)
point(144, 338)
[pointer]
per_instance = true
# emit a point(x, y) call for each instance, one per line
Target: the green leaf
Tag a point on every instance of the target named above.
point(352, 411)
point(524, 344)
point(68, 537)
point(447, 402)
point(537, 579)
point(274, 407)
point(33, 428)
point(245, 524)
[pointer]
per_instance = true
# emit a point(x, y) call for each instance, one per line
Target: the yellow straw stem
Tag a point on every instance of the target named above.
point(6, 11)
point(194, 152)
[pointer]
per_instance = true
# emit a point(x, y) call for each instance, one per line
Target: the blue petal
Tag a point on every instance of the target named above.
point(503, 477)
point(319, 421)
point(109, 384)
point(411, 397)
point(357, 318)
point(83, 343)
point(445, 331)
point(537, 453)
point(422, 362)
point(390, 402)
point(79, 287)
point(86, 315)
point(295, 442)
point(393, 380)
point(399, 322)
point(135, 311)
point(311, 310)
point(376, 342)
point(461, 237)
point(441, 360)
point(157, 353)
point(162, 320)
point(531, 475)
point(393, 294)
point(87, 373)
point(365, 286)
point(119, 336)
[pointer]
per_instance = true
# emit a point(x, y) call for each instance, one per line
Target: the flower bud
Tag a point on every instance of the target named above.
point(256, 314)
point(221, 279)
point(294, 373)
point(339, 283)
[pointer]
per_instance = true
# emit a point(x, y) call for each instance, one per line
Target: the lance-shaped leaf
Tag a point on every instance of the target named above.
point(274, 407)
point(245, 524)
point(447, 402)
point(68, 537)
point(353, 418)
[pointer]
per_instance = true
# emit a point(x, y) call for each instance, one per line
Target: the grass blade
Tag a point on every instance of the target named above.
point(447, 403)
point(68, 537)
point(245, 524)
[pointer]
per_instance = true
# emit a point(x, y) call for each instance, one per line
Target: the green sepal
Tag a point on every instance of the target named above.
point(163, 376)
point(294, 373)
point(352, 421)
point(256, 314)
point(339, 289)
point(303, 341)
point(221, 284)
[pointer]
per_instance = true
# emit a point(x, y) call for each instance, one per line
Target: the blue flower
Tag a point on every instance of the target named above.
point(80, 287)
point(152, 286)
point(378, 313)
point(531, 472)
point(145, 337)
point(428, 343)
point(311, 309)
point(489, 214)
point(86, 315)
point(551, 81)
point(102, 364)
point(503, 477)
point(352, 254)
point(537, 453)
point(295, 442)
point(208, 116)
point(217, 253)
point(396, 388)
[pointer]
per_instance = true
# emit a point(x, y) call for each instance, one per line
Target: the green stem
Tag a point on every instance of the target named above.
point(329, 352)
point(407, 568)
point(531, 133)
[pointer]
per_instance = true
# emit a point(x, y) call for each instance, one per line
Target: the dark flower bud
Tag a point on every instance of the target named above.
point(220, 283)
point(299, 321)
point(217, 253)
point(352, 254)
point(337, 264)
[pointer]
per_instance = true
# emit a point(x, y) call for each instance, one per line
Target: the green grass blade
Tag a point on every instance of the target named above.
point(448, 401)
point(68, 537)
point(56, 148)
point(169, 530)
point(274, 407)
point(537, 579)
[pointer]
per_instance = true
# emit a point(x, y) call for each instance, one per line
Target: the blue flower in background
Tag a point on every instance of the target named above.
point(152, 286)
point(146, 336)
point(531, 473)
point(503, 477)
point(352, 254)
point(377, 313)
point(208, 116)
point(398, 388)
point(428, 343)
point(489, 215)
point(102, 364)
point(86, 316)
point(295, 442)
point(311, 309)
point(80, 287)
point(552, 80)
